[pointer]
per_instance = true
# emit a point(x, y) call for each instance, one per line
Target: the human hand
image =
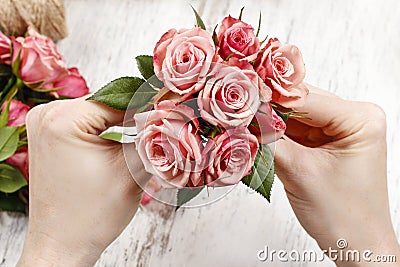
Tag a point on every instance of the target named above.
point(333, 169)
point(82, 194)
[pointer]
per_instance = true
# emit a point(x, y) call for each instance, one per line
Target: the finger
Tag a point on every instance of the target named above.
point(316, 90)
point(306, 135)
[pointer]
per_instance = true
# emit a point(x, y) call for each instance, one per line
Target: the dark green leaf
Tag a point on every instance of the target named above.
point(145, 65)
point(146, 68)
point(11, 179)
point(8, 142)
point(4, 115)
point(113, 136)
point(5, 75)
point(241, 13)
point(215, 36)
point(199, 21)
point(284, 116)
point(125, 93)
point(259, 25)
point(263, 171)
point(11, 202)
point(186, 194)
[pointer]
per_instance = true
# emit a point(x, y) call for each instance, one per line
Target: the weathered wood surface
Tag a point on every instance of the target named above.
point(351, 48)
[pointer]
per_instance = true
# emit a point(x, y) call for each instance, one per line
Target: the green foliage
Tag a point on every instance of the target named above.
point(11, 179)
point(125, 93)
point(263, 171)
point(11, 202)
point(9, 138)
point(113, 136)
point(186, 194)
point(146, 68)
point(199, 21)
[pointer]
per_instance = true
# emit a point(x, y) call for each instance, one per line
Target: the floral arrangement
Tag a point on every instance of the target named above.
point(208, 105)
point(32, 72)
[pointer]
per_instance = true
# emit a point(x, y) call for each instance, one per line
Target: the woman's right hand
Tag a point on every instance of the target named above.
point(333, 167)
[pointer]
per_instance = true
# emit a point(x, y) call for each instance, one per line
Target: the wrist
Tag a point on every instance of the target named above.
point(48, 252)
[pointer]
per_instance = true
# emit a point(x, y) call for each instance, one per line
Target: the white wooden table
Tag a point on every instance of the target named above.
point(351, 48)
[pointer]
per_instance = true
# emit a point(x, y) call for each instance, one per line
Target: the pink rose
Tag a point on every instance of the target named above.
point(20, 160)
point(152, 187)
point(282, 68)
point(229, 157)
point(267, 126)
point(73, 85)
point(168, 145)
point(40, 62)
point(230, 97)
point(5, 49)
point(237, 39)
point(17, 113)
point(182, 59)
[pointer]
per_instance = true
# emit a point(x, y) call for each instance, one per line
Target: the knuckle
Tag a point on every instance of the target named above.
point(374, 120)
point(49, 116)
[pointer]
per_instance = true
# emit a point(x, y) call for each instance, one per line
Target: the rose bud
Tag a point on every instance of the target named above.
point(281, 67)
point(237, 39)
point(267, 126)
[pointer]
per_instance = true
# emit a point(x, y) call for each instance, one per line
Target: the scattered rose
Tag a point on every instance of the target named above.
point(17, 113)
point(5, 49)
point(182, 59)
point(281, 67)
point(267, 126)
point(229, 157)
point(168, 145)
point(73, 85)
point(20, 160)
point(40, 63)
point(237, 39)
point(152, 187)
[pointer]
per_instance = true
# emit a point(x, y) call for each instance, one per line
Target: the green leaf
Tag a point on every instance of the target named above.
point(125, 93)
point(215, 36)
point(145, 65)
point(4, 115)
point(11, 179)
point(199, 21)
point(259, 25)
point(241, 13)
point(8, 142)
point(146, 68)
point(186, 194)
point(11, 202)
point(263, 171)
point(113, 136)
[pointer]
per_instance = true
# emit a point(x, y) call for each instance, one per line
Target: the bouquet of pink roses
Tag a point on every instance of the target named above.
point(209, 104)
point(32, 72)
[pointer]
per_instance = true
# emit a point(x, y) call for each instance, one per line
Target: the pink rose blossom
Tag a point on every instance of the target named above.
point(229, 157)
point(21, 161)
point(73, 85)
point(237, 39)
point(40, 62)
point(152, 187)
point(230, 97)
point(5, 49)
point(17, 113)
point(182, 59)
point(282, 68)
point(267, 126)
point(168, 145)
